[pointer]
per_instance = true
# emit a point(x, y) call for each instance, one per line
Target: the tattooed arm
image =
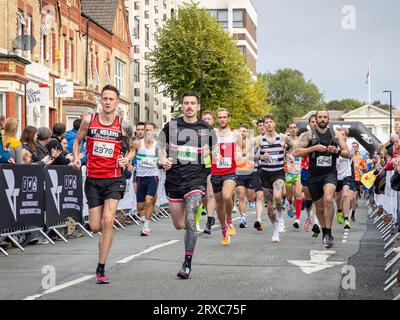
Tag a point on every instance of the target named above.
point(302, 149)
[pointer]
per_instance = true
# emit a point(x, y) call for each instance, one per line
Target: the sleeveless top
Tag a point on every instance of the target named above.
point(104, 148)
point(323, 162)
point(146, 161)
point(276, 161)
point(227, 165)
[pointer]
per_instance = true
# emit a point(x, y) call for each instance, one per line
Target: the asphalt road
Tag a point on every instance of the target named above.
point(251, 268)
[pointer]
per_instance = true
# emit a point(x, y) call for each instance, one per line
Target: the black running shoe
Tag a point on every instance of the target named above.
point(185, 272)
point(316, 231)
point(207, 229)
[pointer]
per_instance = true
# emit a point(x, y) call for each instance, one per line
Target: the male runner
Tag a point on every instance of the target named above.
point(311, 218)
point(359, 168)
point(181, 145)
point(293, 178)
point(139, 135)
point(345, 186)
point(322, 145)
point(146, 175)
point(105, 184)
point(272, 156)
point(223, 174)
point(208, 117)
point(245, 176)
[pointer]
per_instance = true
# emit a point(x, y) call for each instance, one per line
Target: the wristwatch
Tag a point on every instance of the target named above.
point(339, 152)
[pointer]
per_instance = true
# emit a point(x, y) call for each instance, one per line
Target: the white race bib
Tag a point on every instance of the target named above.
point(103, 149)
point(148, 162)
point(273, 160)
point(186, 153)
point(324, 161)
point(225, 163)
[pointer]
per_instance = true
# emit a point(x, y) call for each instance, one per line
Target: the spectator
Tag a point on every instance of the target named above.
point(55, 143)
point(43, 139)
point(2, 121)
point(64, 146)
point(26, 156)
point(10, 141)
point(390, 166)
point(4, 153)
point(71, 136)
point(29, 142)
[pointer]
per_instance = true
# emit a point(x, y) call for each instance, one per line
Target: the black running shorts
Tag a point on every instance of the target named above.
point(99, 190)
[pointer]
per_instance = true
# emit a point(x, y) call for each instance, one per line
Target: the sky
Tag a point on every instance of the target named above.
point(308, 35)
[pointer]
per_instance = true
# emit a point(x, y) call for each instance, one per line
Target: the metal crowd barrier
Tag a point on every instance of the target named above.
point(384, 209)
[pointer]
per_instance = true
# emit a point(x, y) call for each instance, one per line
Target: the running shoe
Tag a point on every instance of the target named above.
point(296, 224)
point(258, 226)
point(243, 223)
point(290, 211)
point(339, 217)
point(275, 235)
point(225, 241)
point(252, 204)
point(282, 227)
point(231, 230)
point(207, 229)
point(199, 229)
point(347, 225)
point(102, 279)
point(184, 274)
point(316, 231)
point(145, 232)
point(353, 218)
point(307, 224)
point(328, 241)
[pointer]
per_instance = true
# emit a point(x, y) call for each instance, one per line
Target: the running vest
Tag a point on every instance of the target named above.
point(227, 165)
point(244, 166)
point(322, 162)
point(293, 164)
point(276, 161)
point(344, 167)
point(147, 161)
point(104, 148)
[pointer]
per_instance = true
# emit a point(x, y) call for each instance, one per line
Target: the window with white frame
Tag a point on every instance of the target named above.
point(136, 71)
point(96, 72)
point(43, 48)
point(221, 16)
point(29, 33)
point(119, 75)
point(90, 75)
point(3, 110)
point(238, 18)
point(69, 43)
point(20, 28)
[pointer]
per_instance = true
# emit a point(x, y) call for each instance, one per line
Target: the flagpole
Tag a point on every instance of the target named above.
point(369, 83)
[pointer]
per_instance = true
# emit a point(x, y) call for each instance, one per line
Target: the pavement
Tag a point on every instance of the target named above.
point(251, 268)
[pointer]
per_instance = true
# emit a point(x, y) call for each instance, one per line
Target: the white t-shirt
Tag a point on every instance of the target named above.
point(343, 166)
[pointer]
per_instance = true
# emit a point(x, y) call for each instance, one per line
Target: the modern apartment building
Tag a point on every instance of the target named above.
point(239, 17)
point(145, 17)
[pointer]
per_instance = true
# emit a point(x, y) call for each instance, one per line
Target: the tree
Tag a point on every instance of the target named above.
point(291, 96)
point(177, 58)
point(345, 105)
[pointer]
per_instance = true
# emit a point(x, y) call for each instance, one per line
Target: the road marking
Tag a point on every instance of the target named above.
point(318, 262)
point(60, 287)
point(148, 250)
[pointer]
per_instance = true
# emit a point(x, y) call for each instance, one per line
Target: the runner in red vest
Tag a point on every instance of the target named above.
point(105, 184)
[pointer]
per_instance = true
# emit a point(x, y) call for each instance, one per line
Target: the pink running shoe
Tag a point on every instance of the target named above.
point(307, 224)
point(102, 279)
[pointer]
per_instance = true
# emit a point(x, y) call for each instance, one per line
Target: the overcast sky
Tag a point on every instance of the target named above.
point(308, 35)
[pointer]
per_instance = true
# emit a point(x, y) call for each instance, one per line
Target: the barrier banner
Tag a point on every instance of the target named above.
point(128, 202)
point(85, 210)
point(64, 196)
point(21, 196)
point(161, 193)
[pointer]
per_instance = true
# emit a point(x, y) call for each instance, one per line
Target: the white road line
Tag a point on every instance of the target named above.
point(151, 249)
point(60, 287)
point(344, 241)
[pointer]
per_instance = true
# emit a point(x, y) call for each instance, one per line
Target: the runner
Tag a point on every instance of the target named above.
point(139, 135)
point(311, 218)
point(258, 225)
point(345, 186)
point(223, 174)
point(245, 176)
point(272, 156)
point(322, 145)
point(208, 117)
point(293, 178)
point(105, 184)
point(180, 148)
point(359, 168)
point(146, 175)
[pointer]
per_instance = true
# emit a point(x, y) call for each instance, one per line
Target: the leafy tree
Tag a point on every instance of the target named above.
point(291, 96)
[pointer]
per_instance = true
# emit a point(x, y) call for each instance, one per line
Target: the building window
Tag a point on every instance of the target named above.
point(21, 25)
point(146, 3)
point(136, 71)
point(136, 28)
point(221, 16)
point(238, 18)
point(242, 49)
point(385, 129)
point(29, 33)
point(119, 75)
point(44, 56)
point(147, 114)
point(96, 70)
point(146, 14)
point(3, 110)
point(147, 36)
point(90, 75)
point(147, 81)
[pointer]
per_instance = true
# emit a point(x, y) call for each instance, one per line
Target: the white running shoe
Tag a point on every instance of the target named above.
point(281, 223)
point(296, 224)
point(275, 235)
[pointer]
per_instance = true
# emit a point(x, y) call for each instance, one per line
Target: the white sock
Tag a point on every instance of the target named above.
point(147, 223)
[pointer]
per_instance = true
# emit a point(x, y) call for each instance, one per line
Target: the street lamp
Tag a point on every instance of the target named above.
point(203, 51)
point(390, 92)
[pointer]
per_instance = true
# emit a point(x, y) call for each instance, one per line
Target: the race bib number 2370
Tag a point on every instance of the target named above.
point(103, 149)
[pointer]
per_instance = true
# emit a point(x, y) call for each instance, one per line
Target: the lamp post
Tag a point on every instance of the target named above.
point(203, 51)
point(390, 93)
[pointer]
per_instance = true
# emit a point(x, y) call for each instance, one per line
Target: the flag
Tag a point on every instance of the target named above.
point(368, 75)
point(368, 179)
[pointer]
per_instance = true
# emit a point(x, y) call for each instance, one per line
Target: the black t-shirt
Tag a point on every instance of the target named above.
point(323, 162)
point(185, 144)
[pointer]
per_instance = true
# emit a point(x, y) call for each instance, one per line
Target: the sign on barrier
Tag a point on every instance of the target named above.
point(64, 194)
point(128, 202)
point(161, 194)
point(21, 196)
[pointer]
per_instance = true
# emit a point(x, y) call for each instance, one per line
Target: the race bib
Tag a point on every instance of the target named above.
point(225, 163)
point(103, 149)
point(273, 160)
point(148, 162)
point(186, 153)
point(324, 161)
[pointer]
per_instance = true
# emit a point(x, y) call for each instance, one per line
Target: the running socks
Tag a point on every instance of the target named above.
point(299, 203)
point(101, 268)
point(188, 259)
point(224, 231)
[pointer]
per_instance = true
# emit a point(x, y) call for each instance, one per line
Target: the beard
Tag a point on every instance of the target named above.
point(322, 125)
